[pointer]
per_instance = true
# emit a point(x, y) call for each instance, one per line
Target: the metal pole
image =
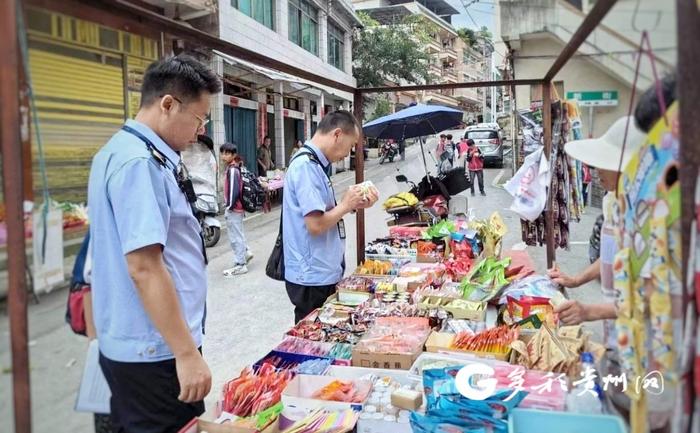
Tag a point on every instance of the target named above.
point(487, 77)
point(494, 105)
point(689, 91)
point(590, 119)
point(12, 185)
point(548, 214)
point(513, 138)
point(443, 86)
point(359, 177)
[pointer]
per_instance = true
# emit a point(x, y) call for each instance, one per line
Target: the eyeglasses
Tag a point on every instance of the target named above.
point(202, 121)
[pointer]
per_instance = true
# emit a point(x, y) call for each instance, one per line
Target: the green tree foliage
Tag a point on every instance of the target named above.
point(382, 108)
point(471, 37)
point(485, 33)
point(467, 35)
point(394, 53)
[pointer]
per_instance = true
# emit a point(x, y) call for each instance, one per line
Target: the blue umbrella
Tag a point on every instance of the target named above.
point(415, 121)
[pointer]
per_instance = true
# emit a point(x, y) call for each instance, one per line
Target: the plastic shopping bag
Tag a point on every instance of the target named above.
point(529, 186)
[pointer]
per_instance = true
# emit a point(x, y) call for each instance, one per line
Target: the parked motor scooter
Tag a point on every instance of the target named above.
point(389, 150)
point(202, 165)
point(432, 206)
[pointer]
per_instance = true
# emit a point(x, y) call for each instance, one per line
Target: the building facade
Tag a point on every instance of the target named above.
point(535, 31)
point(85, 69)
point(257, 101)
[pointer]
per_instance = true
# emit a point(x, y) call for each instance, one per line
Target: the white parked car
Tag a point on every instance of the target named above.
point(489, 138)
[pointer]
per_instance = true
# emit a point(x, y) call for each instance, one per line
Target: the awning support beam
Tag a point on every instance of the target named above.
point(445, 86)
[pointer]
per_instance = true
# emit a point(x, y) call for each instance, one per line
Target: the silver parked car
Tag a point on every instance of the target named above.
point(489, 138)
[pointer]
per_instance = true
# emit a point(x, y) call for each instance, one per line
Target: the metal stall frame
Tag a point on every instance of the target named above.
point(12, 158)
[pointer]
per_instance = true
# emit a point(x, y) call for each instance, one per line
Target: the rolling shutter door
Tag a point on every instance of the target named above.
point(80, 103)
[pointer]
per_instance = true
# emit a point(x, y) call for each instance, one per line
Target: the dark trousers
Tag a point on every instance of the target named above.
point(307, 298)
point(479, 174)
point(144, 397)
point(584, 192)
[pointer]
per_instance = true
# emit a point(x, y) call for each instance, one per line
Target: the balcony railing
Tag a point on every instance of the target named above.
point(434, 46)
point(448, 53)
point(469, 95)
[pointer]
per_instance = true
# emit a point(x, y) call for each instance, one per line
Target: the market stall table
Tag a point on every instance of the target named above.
point(398, 327)
point(273, 190)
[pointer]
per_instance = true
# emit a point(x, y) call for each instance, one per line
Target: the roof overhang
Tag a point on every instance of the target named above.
point(300, 84)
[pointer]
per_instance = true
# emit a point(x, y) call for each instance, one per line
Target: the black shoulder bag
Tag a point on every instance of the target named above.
point(275, 263)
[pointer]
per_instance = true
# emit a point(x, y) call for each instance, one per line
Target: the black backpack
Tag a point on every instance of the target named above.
point(253, 196)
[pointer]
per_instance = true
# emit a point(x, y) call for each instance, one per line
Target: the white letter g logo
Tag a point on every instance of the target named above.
point(482, 388)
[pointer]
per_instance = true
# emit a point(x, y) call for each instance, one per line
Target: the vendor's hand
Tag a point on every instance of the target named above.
point(194, 377)
point(572, 312)
point(562, 279)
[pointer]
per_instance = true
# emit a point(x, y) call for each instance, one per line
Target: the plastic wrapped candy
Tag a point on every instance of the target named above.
point(395, 335)
point(534, 285)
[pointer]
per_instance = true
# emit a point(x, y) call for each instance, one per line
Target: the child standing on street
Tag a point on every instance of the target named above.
point(233, 191)
point(475, 164)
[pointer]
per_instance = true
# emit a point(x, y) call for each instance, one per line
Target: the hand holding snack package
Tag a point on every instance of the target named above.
point(368, 190)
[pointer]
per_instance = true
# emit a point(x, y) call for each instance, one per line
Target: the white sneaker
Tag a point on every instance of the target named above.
point(248, 256)
point(236, 270)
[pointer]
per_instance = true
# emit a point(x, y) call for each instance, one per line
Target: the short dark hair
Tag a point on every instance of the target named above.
point(338, 119)
point(648, 110)
point(443, 136)
point(470, 142)
point(449, 136)
point(267, 137)
point(181, 76)
point(228, 148)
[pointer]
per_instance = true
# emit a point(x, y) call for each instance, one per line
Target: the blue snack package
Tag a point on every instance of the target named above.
point(430, 424)
point(447, 410)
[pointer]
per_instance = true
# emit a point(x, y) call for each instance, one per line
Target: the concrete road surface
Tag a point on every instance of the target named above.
point(247, 315)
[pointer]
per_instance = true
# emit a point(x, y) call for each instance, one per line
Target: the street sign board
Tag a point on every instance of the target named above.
point(595, 98)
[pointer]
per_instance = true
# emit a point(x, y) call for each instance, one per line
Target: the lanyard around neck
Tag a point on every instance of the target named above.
point(162, 159)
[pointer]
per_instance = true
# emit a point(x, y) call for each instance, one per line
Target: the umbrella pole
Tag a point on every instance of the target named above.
point(425, 164)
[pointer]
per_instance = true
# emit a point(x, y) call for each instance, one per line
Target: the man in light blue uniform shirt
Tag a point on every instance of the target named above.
point(149, 281)
point(313, 227)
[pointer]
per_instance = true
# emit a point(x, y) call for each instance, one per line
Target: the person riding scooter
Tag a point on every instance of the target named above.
point(389, 150)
